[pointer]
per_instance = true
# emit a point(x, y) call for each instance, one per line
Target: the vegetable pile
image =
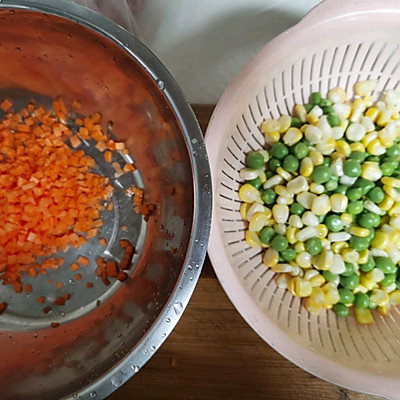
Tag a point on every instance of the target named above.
point(323, 201)
point(50, 198)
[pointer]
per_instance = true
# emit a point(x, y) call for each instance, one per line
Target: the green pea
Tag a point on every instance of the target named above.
point(376, 195)
point(324, 103)
point(274, 163)
point(329, 276)
point(333, 119)
point(393, 151)
point(296, 122)
point(308, 107)
point(254, 160)
point(279, 243)
point(387, 168)
point(361, 300)
point(268, 196)
point(352, 168)
point(256, 182)
point(328, 109)
point(269, 174)
point(369, 265)
point(316, 98)
point(355, 207)
point(334, 223)
point(289, 254)
point(372, 305)
point(366, 220)
point(358, 243)
point(296, 209)
point(267, 234)
point(385, 264)
point(326, 162)
point(340, 310)
point(313, 246)
point(290, 163)
point(377, 220)
point(321, 174)
point(388, 280)
point(354, 194)
point(397, 284)
point(392, 160)
point(300, 150)
point(346, 296)
point(358, 156)
point(371, 234)
point(341, 189)
point(349, 269)
point(279, 150)
point(364, 184)
point(331, 185)
point(350, 282)
point(321, 218)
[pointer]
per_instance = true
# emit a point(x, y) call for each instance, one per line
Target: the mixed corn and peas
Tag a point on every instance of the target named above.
point(323, 201)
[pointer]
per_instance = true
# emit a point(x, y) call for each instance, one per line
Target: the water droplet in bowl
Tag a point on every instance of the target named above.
point(93, 395)
point(168, 320)
point(178, 307)
point(135, 368)
point(153, 348)
point(160, 84)
point(116, 380)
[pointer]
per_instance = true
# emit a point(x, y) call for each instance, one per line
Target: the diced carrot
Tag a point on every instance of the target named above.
point(41, 299)
point(89, 284)
point(6, 104)
point(76, 104)
point(75, 141)
point(129, 167)
point(59, 301)
point(78, 277)
point(103, 242)
point(83, 260)
point(74, 266)
point(107, 156)
point(28, 288)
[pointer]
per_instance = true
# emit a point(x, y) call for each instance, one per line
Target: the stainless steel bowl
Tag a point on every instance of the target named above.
point(56, 48)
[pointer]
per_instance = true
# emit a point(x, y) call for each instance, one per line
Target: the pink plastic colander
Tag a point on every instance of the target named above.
point(338, 43)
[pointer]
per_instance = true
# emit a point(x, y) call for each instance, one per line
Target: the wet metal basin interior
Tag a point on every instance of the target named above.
point(54, 48)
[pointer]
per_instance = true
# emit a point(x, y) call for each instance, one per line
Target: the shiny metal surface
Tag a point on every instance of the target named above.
point(57, 48)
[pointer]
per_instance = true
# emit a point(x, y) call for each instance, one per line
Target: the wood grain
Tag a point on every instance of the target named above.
point(213, 354)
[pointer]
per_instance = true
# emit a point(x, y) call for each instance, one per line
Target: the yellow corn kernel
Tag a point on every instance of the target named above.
point(379, 297)
point(324, 260)
point(317, 280)
point(337, 95)
point(346, 218)
point(300, 111)
point(322, 230)
point(306, 167)
point(252, 239)
point(385, 139)
point(299, 247)
point(303, 259)
point(343, 148)
point(282, 280)
point(316, 188)
point(249, 194)
point(338, 202)
point(262, 176)
point(395, 209)
point(316, 157)
point(291, 234)
point(363, 256)
point(394, 297)
point(372, 113)
point(287, 176)
point(312, 307)
point(271, 138)
point(358, 231)
point(300, 287)
point(282, 191)
point(384, 117)
point(321, 205)
point(331, 294)
point(244, 207)
point(376, 148)
point(270, 125)
point(349, 255)
point(271, 257)
point(282, 268)
point(386, 204)
point(257, 221)
point(284, 123)
point(384, 310)
point(360, 289)
point(357, 146)
point(327, 146)
point(317, 295)
point(312, 119)
point(292, 136)
point(364, 316)
point(392, 182)
point(381, 240)
point(337, 247)
point(280, 212)
point(368, 138)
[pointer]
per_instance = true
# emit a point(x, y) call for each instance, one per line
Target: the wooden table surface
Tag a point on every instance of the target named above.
point(213, 354)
